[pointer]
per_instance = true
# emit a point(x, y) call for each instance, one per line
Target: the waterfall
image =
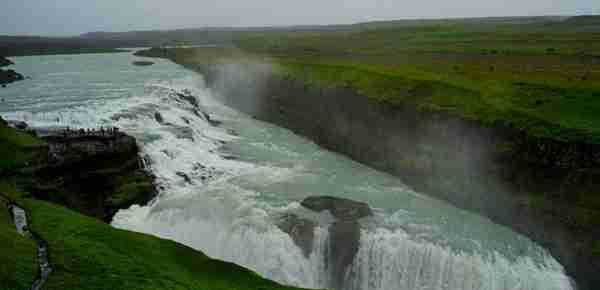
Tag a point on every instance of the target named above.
point(227, 204)
point(391, 260)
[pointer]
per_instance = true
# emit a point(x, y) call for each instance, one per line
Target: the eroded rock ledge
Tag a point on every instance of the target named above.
point(96, 172)
point(344, 232)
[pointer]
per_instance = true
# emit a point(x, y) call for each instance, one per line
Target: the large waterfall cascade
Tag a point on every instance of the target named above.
point(226, 180)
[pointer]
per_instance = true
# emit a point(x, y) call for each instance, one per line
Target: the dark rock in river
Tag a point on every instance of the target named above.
point(5, 62)
point(9, 76)
point(344, 241)
point(188, 97)
point(159, 118)
point(143, 63)
point(185, 177)
point(340, 208)
point(344, 232)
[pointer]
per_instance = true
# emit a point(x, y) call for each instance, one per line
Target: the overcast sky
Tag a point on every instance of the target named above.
point(72, 17)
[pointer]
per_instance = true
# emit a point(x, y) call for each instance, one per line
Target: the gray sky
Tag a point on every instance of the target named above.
point(71, 17)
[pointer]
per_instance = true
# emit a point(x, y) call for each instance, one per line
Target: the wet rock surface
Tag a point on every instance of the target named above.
point(344, 241)
point(159, 118)
point(9, 76)
point(143, 63)
point(344, 232)
point(302, 231)
point(340, 208)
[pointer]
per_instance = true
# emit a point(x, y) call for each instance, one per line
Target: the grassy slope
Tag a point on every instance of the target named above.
point(16, 148)
point(89, 254)
point(17, 255)
point(541, 75)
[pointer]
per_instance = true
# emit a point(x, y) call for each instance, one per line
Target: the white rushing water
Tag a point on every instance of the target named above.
point(224, 188)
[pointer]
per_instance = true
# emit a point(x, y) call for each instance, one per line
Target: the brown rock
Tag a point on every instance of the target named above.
point(340, 208)
point(301, 230)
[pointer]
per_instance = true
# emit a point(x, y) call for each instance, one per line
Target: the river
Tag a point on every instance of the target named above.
point(223, 188)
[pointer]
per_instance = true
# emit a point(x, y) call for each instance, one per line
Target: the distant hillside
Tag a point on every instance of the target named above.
point(101, 41)
point(585, 19)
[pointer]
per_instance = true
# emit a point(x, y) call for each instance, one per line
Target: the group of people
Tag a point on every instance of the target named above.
point(68, 132)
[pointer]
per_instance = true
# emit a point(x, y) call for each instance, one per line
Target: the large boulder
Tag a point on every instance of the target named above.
point(340, 208)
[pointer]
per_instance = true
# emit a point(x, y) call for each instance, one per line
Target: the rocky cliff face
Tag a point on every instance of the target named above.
point(546, 189)
point(96, 173)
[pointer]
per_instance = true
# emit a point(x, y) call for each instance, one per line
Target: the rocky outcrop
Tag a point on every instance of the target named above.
point(340, 208)
point(159, 118)
point(8, 76)
point(143, 63)
point(96, 172)
point(5, 62)
point(77, 146)
point(344, 232)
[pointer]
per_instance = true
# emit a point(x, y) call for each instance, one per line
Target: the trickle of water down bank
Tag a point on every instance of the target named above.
point(226, 181)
